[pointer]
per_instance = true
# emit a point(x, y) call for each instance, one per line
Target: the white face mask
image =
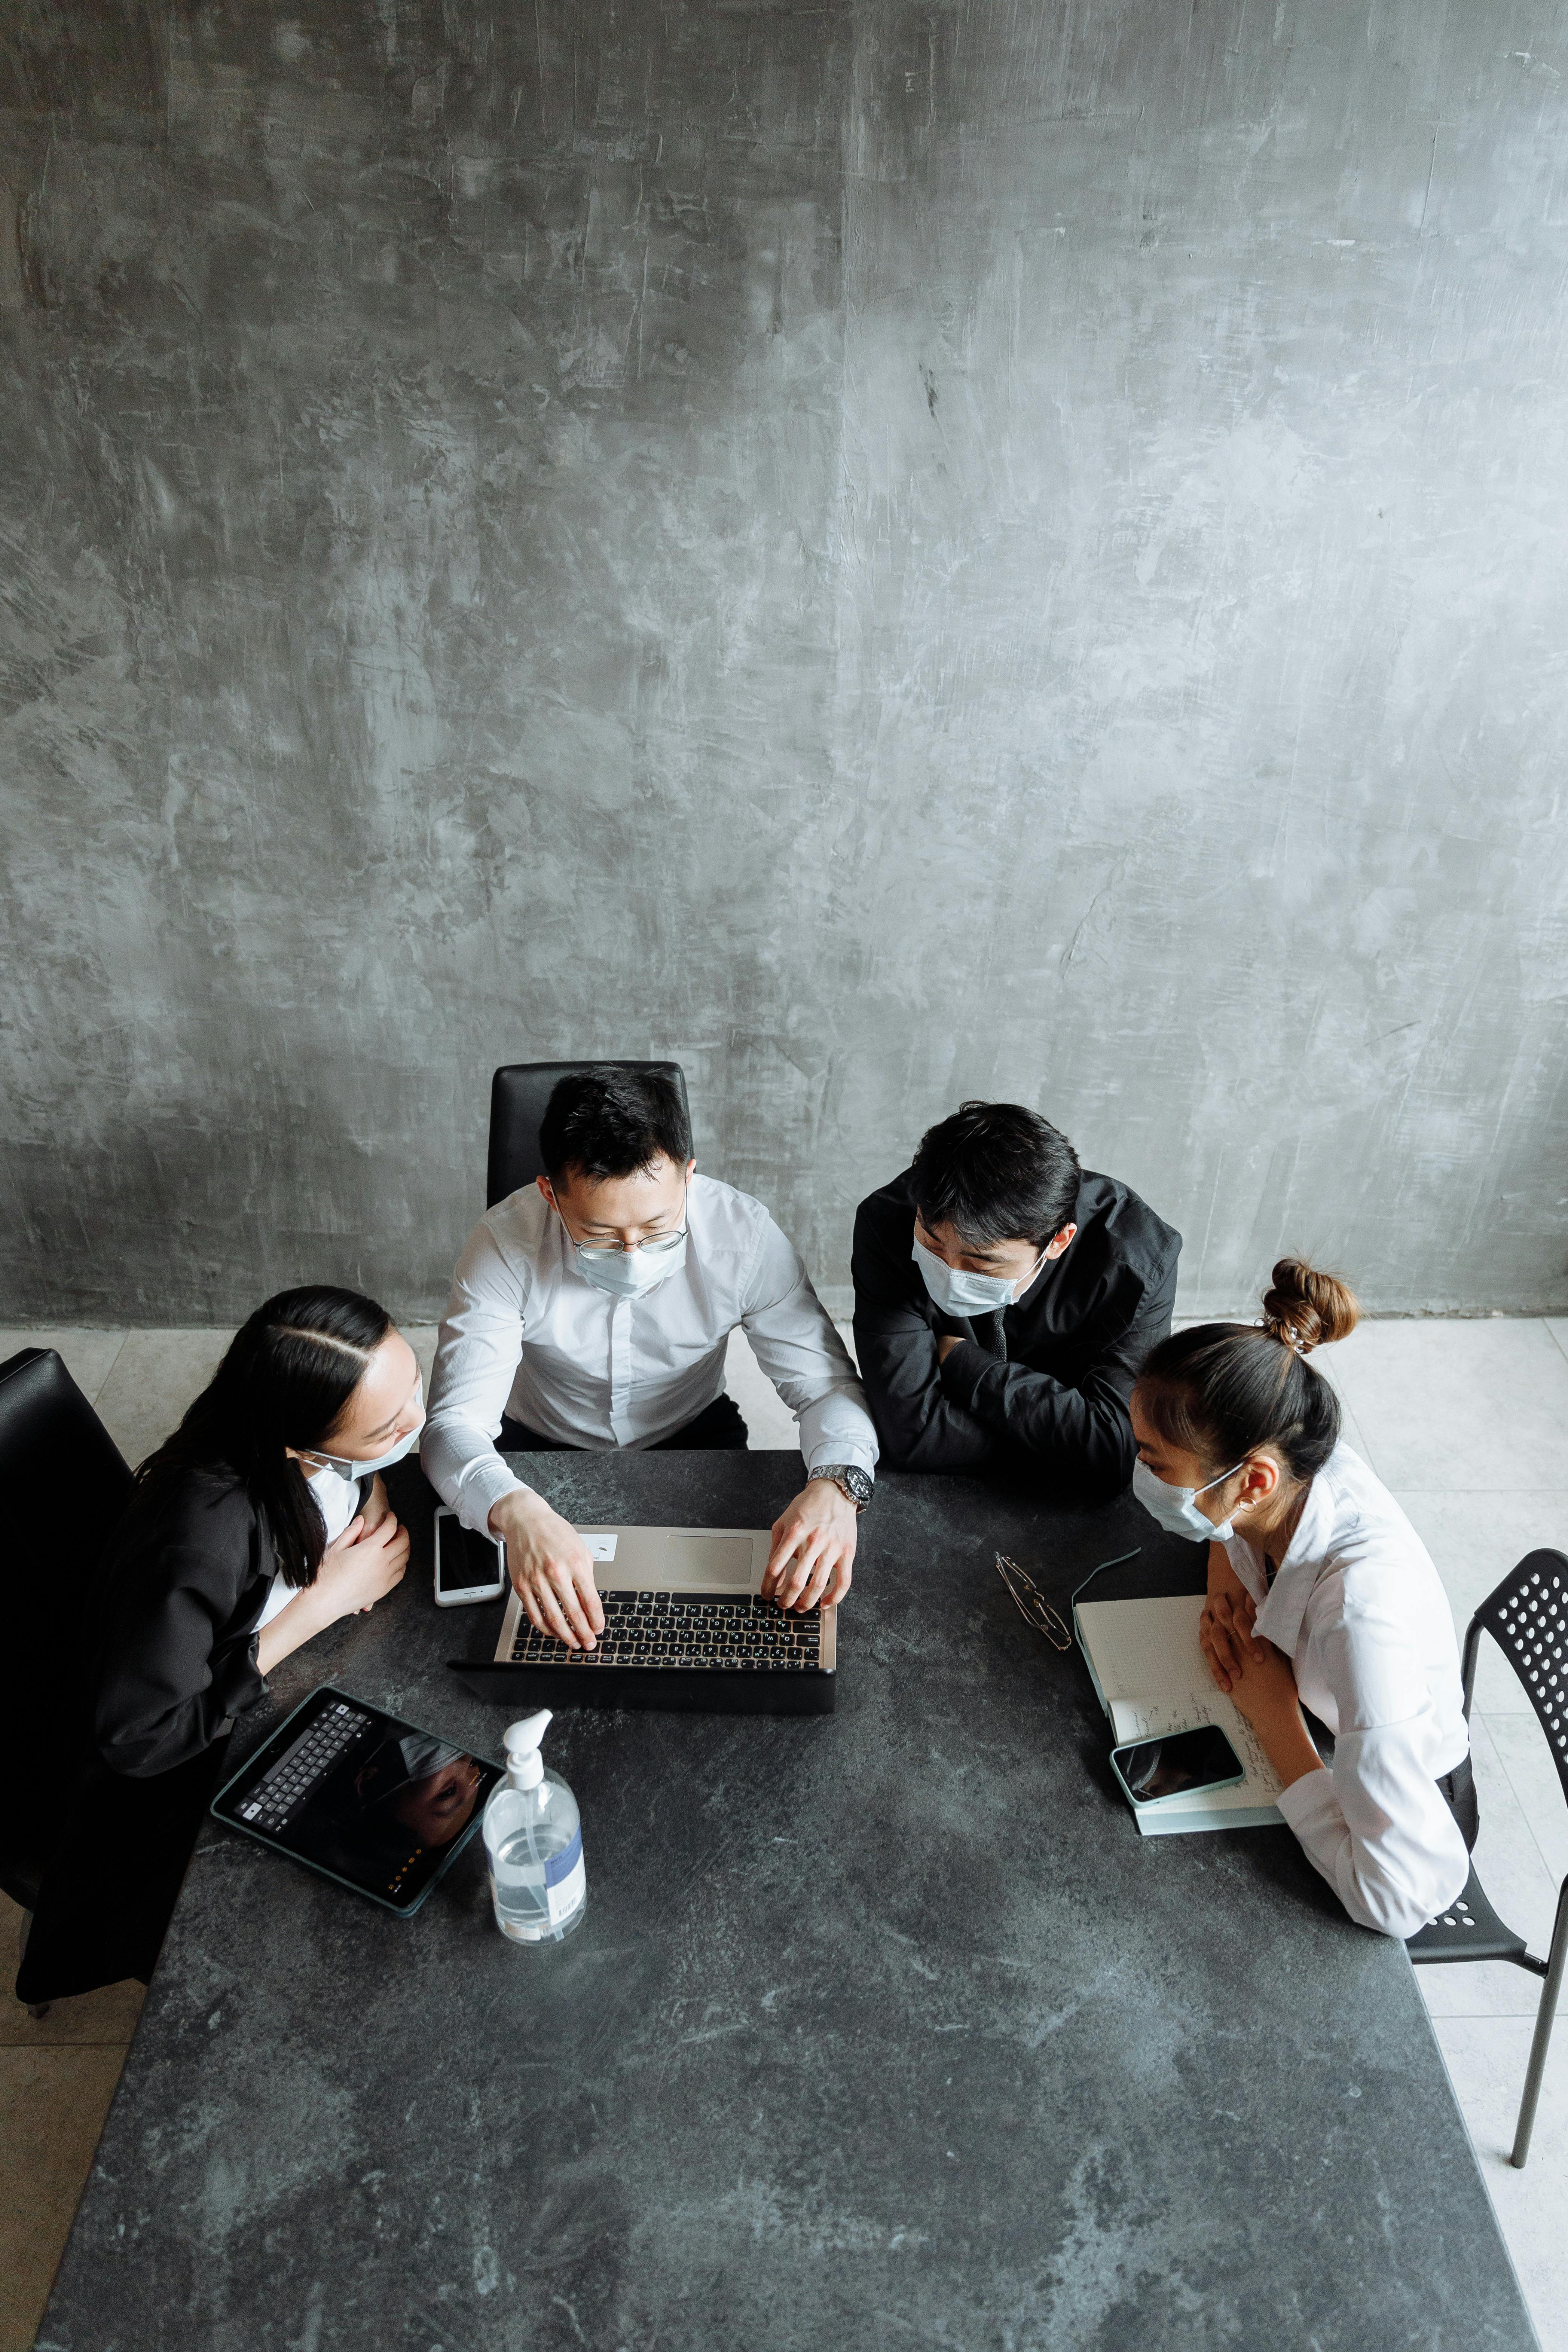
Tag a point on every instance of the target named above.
point(631, 1274)
point(1176, 1508)
point(958, 1293)
point(348, 1469)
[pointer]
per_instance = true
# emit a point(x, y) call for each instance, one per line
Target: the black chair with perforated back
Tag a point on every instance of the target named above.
point(518, 1093)
point(1526, 1616)
point(65, 1485)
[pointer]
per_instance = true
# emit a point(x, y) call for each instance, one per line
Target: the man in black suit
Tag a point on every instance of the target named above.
point(1005, 1299)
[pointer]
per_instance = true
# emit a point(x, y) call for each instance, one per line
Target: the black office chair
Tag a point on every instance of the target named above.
point(1526, 1616)
point(518, 1092)
point(65, 1485)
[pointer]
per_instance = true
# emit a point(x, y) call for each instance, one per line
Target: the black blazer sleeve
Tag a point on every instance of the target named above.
point(1084, 1430)
point(920, 1425)
point(181, 1589)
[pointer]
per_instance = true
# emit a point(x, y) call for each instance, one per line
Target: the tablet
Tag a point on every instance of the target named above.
point(364, 1798)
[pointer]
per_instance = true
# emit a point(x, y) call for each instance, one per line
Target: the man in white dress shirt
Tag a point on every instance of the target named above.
point(591, 1311)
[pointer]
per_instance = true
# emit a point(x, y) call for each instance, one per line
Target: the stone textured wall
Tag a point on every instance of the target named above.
point(888, 552)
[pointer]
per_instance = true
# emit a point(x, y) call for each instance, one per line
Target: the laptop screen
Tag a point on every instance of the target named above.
point(370, 1801)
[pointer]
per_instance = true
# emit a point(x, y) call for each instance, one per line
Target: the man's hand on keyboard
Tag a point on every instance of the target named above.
point(550, 1568)
point(813, 1548)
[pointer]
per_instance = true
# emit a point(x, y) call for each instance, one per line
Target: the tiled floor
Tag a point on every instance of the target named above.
point(1467, 1422)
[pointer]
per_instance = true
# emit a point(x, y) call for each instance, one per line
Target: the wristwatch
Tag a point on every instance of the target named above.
point(854, 1485)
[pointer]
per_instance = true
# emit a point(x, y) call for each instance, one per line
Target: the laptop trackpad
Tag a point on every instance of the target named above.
point(708, 1559)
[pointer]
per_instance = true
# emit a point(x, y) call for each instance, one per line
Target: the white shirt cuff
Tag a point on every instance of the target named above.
point(482, 1486)
point(1310, 1803)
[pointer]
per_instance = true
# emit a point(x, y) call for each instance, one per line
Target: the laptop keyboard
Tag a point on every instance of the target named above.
point(691, 1631)
point(278, 1793)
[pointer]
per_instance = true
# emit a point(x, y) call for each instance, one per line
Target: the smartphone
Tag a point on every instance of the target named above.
point(1176, 1765)
point(468, 1566)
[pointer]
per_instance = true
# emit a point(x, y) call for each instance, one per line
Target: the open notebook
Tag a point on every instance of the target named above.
point(1151, 1677)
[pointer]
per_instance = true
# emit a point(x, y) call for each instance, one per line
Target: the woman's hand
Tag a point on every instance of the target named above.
point(360, 1567)
point(1263, 1686)
point(1264, 1691)
point(1225, 1629)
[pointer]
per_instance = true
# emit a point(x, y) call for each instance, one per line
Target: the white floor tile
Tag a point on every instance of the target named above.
point(1459, 1404)
point(1558, 1326)
point(1475, 1539)
point(1514, 1873)
point(88, 1355)
point(154, 1377)
point(1486, 2060)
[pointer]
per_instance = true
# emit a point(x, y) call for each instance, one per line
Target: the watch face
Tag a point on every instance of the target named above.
point(859, 1485)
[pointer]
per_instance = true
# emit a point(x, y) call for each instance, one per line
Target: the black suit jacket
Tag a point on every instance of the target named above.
point(1044, 1384)
point(185, 1578)
point(175, 1604)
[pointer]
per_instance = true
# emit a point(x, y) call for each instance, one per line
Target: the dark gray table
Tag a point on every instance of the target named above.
point(884, 2028)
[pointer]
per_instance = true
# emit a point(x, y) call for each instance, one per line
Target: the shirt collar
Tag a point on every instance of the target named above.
point(1280, 1619)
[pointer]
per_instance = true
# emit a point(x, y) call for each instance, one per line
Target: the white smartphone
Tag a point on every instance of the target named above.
point(468, 1566)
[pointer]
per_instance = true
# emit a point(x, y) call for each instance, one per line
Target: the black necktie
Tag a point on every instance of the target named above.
point(991, 1334)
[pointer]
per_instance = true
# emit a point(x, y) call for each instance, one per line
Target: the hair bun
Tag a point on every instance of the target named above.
point(1307, 1309)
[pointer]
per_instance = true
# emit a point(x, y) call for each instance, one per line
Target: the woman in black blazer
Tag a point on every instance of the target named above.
point(258, 1524)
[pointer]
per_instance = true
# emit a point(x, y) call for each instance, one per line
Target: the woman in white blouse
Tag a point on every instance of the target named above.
point(1320, 1595)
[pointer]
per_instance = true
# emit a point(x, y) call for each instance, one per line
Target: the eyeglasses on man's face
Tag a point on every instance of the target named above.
point(1031, 1602)
point(652, 1246)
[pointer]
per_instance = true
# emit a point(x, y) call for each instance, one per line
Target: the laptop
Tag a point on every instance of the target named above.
point(685, 1628)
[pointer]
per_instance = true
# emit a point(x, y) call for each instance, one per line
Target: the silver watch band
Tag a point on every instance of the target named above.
point(837, 1472)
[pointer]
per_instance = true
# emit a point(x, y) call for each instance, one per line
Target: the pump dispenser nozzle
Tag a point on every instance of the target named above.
point(524, 1764)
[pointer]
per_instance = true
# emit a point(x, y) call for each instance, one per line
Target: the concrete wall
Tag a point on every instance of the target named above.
point(891, 554)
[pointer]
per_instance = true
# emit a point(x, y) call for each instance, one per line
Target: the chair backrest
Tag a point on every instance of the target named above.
point(65, 1485)
point(518, 1092)
point(1527, 1617)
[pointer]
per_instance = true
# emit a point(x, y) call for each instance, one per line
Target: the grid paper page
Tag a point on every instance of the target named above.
point(1154, 1679)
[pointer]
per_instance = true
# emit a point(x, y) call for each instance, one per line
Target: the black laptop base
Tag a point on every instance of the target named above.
point(808, 1691)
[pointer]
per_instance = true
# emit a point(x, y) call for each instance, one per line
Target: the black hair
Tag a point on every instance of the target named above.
point(1221, 1390)
point(609, 1122)
point(995, 1173)
point(285, 1381)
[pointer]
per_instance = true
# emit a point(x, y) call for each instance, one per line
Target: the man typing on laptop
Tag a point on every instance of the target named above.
point(593, 1311)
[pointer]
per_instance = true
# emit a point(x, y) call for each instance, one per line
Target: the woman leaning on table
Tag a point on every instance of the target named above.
point(262, 1521)
point(1320, 1595)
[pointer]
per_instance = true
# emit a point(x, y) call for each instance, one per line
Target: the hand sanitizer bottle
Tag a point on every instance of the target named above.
point(533, 1836)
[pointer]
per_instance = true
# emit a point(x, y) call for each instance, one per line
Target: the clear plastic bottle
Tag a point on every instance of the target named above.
point(533, 1836)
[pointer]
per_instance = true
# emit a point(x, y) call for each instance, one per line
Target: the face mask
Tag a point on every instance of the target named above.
point(630, 1273)
point(347, 1469)
point(957, 1293)
point(1176, 1508)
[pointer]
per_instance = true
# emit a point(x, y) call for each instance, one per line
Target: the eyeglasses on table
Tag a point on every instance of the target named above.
point(1031, 1602)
